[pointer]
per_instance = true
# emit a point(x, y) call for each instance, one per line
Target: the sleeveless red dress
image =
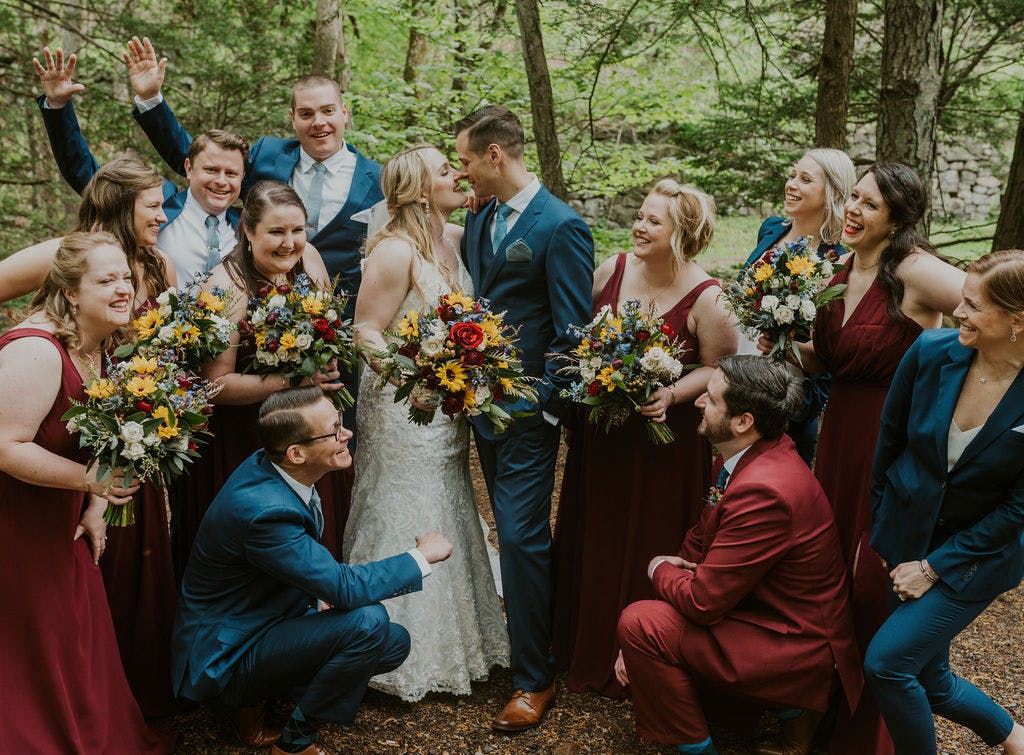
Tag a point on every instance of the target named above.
point(62, 688)
point(624, 500)
point(862, 356)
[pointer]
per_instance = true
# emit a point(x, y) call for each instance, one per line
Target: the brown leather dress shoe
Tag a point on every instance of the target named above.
point(313, 749)
point(251, 727)
point(525, 710)
point(797, 735)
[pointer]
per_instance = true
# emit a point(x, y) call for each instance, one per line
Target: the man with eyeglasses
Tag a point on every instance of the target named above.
point(248, 628)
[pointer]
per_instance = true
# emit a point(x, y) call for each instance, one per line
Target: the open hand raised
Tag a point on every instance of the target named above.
point(55, 77)
point(145, 72)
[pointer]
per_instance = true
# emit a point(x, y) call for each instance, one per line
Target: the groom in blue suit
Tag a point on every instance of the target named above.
point(533, 258)
point(248, 628)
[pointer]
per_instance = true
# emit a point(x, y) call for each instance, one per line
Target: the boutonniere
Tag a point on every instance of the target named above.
point(715, 493)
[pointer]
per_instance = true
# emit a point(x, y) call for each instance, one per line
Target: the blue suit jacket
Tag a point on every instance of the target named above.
point(339, 241)
point(77, 164)
point(256, 561)
point(544, 288)
point(969, 521)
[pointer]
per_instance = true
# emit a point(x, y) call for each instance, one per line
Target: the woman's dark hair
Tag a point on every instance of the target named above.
point(108, 204)
point(905, 196)
point(238, 263)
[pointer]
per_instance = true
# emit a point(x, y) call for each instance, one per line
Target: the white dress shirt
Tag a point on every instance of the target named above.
point(184, 239)
point(341, 166)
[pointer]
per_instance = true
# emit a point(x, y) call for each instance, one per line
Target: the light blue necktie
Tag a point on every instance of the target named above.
point(318, 513)
point(212, 243)
point(315, 200)
point(500, 226)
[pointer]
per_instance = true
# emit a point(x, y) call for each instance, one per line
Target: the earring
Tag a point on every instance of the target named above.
point(1013, 336)
point(892, 233)
point(74, 309)
point(426, 207)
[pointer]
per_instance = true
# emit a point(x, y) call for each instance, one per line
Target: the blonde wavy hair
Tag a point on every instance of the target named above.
point(69, 266)
point(693, 218)
point(840, 178)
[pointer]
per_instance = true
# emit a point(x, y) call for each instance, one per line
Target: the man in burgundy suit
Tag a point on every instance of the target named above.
point(755, 603)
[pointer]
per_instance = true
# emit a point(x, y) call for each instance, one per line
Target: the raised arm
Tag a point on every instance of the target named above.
point(155, 118)
point(24, 271)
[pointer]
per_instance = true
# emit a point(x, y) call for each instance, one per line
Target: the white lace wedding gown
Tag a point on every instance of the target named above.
point(409, 480)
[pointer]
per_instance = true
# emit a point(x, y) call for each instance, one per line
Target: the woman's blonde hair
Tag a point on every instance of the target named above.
point(67, 269)
point(404, 180)
point(840, 178)
point(693, 218)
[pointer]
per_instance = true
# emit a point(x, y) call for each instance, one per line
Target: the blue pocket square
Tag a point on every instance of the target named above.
point(519, 252)
point(1019, 429)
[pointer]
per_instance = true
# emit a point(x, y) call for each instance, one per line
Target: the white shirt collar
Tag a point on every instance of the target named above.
point(332, 163)
point(304, 492)
point(193, 208)
point(520, 201)
point(732, 461)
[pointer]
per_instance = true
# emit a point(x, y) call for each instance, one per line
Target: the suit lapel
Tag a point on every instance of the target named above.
point(476, 246)
point(526, 221)
point(951, 381)
point(286, 161)
point(1007, 414)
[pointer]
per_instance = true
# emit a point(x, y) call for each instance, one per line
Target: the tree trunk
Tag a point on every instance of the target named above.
point(342, 61)
point(415, 53)
point(834, 69)
point(909, 97)
point(1010, 227)
point(463, 63)
point(325, 40)
point(541, 98)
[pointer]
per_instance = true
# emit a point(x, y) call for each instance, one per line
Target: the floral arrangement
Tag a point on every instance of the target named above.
point(715, 493)
point(458, 356)
point(187, 322)
point(297, 329)
point(781, 293)
point(147, 418)
point(621, 360)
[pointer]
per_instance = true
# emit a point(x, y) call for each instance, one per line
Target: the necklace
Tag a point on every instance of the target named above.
point(983, 380)
point(657, 292)
point(865, 267)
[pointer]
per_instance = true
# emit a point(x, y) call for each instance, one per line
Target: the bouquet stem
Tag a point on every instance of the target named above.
point(120, 516)
point(659, 433)
point(421, 416)
point(341, 398)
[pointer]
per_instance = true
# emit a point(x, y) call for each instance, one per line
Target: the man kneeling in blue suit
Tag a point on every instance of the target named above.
point(248, 628)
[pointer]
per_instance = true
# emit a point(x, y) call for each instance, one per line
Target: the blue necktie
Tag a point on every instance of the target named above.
point(318, 513)
point(723, 478)
point(212, 243)
point(500, 226)
point(315, 200)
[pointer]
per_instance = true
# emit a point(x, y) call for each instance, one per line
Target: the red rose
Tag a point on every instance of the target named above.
point(448, 313)
point(431, 381)
point(328, 335)
point(473, 358)
point(184, 383)
point(272, 345)
point(144, 406)
point(284, 288)
point(593, 388)
point(192, 446)
point(409, 350)
point(271, 318)
point(595, 345)
point(468, 335)
point(321, 325)
point(452, 404)
point(244, 326)
point(263, 291)
point(208, 410)
point(497, 392)
point(668, 329)
point(616, 364)
point(643, 335)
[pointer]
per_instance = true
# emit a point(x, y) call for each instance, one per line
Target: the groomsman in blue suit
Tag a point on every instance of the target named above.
point(533, 258)
point(201, 222)
point(248, 628)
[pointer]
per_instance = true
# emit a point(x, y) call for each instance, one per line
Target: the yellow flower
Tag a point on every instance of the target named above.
point(288, 340)
point(763, 272)
point(261, 338)
point(457, 297)
point(142, 385)
point(604, 377)
point(186, 333)
point(452, 376)
point(469, 399)
point(802, 265)
point(167, 431)
point(409, 327)
point(492, 334)
point(149, 323)
point(161, 412)
point(213, 303)
point(312, 305)
point(750, 292)
point(143, 366)
point(101, 389)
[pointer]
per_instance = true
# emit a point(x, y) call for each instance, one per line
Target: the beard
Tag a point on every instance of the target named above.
point(715, 432)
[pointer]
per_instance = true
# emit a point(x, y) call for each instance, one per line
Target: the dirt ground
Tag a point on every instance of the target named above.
point(990, 653)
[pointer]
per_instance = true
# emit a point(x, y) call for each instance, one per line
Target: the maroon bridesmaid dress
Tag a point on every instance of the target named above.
point(624, 500)
point(862, 356)
point(62, 688)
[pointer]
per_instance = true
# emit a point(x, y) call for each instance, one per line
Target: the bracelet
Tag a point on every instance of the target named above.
point(927, 574)
point(672, 393)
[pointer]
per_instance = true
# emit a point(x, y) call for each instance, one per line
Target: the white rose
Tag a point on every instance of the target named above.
point(180, 443)
point(132, 432)
point(165, 310)
point(267, 358)
point(807, 310)
point(277, 300)
point(165, 297)
point(73, 426)
point(258, 317)
point(331, 315)
point(587, 374)
point(826, 269)
point(431, 347)
point(166, 333)
point(783, 315)
point(482, 394)
point(134, 451)
point(793, 301)
point(303, 340)
point(768, 303)
point(439, 330)
point(151, 440)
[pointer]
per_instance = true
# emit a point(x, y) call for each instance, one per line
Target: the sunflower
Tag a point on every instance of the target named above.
point(763, 272)
point(452, 376)
point(142, 385)
point(213, 303)
point(102, 388)
point(802, 265)
point(147, 325)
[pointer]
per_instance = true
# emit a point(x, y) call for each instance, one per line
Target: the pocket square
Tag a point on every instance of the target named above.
point(519, 252)
point(1019, 429)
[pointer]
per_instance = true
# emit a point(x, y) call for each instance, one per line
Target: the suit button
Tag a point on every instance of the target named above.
point(941, 522)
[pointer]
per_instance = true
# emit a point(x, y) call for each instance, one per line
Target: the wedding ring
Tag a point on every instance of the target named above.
point(903, 598)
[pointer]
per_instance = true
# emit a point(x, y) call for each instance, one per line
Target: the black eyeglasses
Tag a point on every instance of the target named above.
point(336, 434)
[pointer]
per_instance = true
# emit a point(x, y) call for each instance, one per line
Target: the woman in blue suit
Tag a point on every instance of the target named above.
point(948, 498)
point(816, 191)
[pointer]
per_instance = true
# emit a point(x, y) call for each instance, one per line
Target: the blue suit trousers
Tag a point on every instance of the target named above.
point(323, 661)
point(907, 668)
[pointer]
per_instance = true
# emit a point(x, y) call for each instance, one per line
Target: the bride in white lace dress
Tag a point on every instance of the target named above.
point(411, 478)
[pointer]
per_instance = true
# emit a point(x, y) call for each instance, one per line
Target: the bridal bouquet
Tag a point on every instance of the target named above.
point(458, 356)
point(781, 293)
point(147, 417)
point(620, 362)
point(297, 329)
point(187, 322)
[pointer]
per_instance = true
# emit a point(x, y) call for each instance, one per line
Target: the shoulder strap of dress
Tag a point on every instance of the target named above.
point(18, 333)
point(610, 293)
point(697, 290)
